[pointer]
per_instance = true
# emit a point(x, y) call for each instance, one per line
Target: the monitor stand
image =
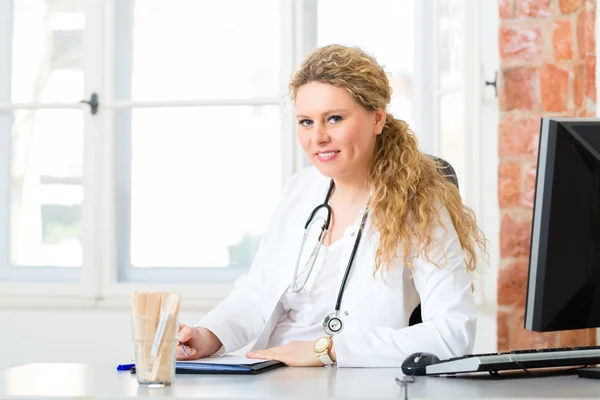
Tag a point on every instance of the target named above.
point(591, 373)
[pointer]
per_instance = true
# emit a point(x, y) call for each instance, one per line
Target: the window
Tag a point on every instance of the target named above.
point(451, 86)
point(197, 184)
point(41, 140)
point(172, 176)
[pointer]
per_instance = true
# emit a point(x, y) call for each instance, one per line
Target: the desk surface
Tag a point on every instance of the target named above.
point(35, 381)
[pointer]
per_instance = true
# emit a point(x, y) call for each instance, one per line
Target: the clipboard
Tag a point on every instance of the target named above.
point(238, 369)
point(185, 368)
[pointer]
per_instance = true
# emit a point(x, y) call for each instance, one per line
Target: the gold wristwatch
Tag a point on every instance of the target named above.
point(321, 348)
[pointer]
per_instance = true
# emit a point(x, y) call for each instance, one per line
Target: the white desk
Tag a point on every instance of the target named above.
point(35, 381)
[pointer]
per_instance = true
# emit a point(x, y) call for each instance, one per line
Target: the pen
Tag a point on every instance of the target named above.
point(185, 353)
point(125, 367)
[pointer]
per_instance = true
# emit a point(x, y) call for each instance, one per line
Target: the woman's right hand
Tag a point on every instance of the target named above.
point(198, 342)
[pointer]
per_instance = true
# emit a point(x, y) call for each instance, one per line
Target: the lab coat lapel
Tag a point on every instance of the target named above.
point(313, 232)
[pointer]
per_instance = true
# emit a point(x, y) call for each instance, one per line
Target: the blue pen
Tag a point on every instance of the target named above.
point(185, 353)
point(125, 367)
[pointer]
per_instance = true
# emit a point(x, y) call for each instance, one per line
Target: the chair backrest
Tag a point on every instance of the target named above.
point(445, 169)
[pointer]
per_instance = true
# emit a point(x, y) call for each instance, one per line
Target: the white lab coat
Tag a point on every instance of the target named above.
point(375, 311)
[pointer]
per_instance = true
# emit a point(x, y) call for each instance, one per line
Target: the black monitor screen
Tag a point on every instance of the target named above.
point(564, 262)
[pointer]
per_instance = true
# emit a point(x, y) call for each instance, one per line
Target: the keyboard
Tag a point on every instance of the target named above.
point(517, 360)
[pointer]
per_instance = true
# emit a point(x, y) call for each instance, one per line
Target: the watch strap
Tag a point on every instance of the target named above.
point(325, 359)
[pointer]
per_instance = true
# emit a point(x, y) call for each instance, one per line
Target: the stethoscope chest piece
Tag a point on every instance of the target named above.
point(332, 324)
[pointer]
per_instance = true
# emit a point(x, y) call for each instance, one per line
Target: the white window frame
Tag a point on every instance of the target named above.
point(426, 106)
point(428, 93)
point(118, 283)
point(425, 76)
point(40, 282)
point(99, 283)
point(120, 112)
point(99, 277)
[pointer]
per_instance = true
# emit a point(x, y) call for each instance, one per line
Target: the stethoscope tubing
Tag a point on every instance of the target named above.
point(338, 302)
point(333, 317)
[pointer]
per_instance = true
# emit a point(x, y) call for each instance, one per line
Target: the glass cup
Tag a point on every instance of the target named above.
point(154, 354)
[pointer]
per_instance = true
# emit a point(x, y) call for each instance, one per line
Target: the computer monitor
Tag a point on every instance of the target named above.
point(564, 262)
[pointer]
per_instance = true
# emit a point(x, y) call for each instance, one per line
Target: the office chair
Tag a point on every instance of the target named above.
point(445, 169)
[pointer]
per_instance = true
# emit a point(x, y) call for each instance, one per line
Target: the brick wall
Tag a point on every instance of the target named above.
point(547, 68)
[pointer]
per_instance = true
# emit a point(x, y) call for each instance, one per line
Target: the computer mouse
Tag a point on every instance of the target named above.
point(415, 363)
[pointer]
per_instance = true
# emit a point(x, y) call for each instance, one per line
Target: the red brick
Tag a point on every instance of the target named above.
point(534, 8)
point(509, 184)
point(569, 6)
point(590, 78)
point(507, 9)
point(591, 336)
point(554, 85)
point(578, 85)
point(577, 337)
point(515, 136)
point(562, 38)
point(503, 330)
point(520, 338)
point(590, 37)
point(586, 39)
point(519, 89)
point(584, 113)
point(515, 237)
point(530, 173)
point(530, 88)
point(534, 145)
point(521, 44)
point(580, 31)
point(512, 284)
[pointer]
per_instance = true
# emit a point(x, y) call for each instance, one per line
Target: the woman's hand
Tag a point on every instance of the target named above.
point(294, 354)
point(198, 342)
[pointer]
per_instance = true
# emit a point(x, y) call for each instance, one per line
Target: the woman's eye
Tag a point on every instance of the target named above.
point(305, 122)
point(334, 119)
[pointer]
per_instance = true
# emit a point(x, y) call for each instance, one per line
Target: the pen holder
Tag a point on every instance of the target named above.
point(155, 348)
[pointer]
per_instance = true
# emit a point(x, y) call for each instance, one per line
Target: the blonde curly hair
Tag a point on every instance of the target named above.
point(407, 186)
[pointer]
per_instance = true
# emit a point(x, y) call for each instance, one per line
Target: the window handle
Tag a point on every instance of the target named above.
point(493, 83)
point(93, 103)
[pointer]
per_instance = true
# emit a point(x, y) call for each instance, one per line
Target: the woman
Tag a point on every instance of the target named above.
point(416, 241)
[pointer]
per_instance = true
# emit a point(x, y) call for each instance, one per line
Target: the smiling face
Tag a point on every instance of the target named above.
point(336, 132)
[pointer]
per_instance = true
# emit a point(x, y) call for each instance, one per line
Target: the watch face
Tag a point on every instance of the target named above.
point(321, 344)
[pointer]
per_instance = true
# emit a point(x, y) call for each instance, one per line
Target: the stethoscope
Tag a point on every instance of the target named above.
point(333, 322)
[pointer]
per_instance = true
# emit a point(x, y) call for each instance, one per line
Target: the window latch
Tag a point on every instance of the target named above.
point(93, 103)
point(493, 83)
